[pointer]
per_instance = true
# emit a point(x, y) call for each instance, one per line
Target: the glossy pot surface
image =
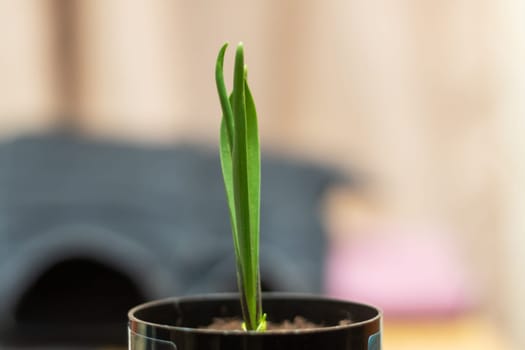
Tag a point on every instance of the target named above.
point(172, 324)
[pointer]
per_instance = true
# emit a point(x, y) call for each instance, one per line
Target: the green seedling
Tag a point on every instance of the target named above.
point(241, 169)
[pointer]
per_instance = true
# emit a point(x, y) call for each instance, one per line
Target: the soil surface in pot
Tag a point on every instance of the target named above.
point(235, 324)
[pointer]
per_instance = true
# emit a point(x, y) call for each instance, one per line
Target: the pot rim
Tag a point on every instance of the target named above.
point(265, 296)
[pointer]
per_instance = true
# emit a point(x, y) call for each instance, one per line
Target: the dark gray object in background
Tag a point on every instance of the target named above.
point(87, 229)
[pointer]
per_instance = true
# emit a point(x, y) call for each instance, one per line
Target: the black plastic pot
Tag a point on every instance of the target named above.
point(171, 324)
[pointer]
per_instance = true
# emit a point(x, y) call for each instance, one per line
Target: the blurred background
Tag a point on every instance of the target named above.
point(417, 104)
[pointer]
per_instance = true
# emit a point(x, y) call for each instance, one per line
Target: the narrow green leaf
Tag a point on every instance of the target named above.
point(226, 146)
point(223, 94)
point(226, 165)
point(241, 191)
point(254, 185)
point(261, 327)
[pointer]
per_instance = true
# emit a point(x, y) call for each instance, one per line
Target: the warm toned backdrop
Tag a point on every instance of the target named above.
point(424, 97)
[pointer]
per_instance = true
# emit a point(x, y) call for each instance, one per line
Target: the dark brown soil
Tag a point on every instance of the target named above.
point(234, 324)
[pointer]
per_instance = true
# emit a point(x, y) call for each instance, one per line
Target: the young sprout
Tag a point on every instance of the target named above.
point(241, 170)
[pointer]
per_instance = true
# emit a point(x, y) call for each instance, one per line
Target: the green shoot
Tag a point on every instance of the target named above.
point(241, 170)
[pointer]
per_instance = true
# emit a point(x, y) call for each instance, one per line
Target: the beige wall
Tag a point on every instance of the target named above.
point(413, 93)
point(29, 86)
point(512, 131)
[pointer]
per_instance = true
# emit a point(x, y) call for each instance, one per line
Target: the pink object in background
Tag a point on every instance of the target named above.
point(405, 274)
